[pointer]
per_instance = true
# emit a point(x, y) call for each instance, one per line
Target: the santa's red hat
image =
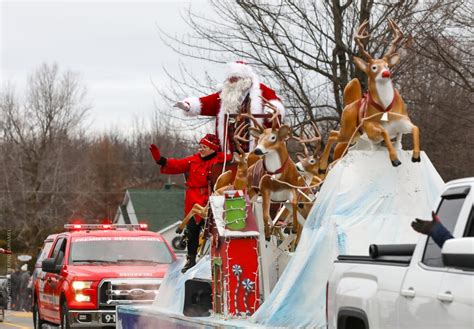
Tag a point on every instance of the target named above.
point(240, 69)
point(210, 141)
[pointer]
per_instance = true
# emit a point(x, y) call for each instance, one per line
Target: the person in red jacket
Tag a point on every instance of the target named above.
point(197, 167)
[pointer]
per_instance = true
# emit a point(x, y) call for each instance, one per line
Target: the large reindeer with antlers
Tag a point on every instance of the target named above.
point(381, 113)
point(280, 174)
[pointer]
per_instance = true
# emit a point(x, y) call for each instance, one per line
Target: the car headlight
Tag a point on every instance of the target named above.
point(82, 298)
point(78, 287)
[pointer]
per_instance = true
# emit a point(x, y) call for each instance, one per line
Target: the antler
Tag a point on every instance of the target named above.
point(274, 119)
point(309, 140)
point(298, 139)
point(312, 138)
point(276, 112)
point(398, 37)
point(360, 35)
point(255, 121)
point(239, 138)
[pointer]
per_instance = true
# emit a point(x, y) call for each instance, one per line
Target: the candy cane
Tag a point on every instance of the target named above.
point(248, 286)
point(237, 270)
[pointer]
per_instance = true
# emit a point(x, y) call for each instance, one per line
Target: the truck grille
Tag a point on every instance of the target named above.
point(128, 291)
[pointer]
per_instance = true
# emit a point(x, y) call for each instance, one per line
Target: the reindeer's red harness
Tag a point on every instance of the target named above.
point(260, 170)
point(366, 99)
point(379, 107)
point(278, 171)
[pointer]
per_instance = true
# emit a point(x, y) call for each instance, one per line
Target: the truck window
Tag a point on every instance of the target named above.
point(469, 232)
point(44, 252)
point(119, 250)
point(57, 247)
point(448, 213)
point(58, 252)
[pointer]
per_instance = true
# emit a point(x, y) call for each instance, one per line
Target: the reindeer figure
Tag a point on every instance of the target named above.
point(382, 111)
point(277, 165)
point(197, 209)
point(313, 166)
point(227, 181)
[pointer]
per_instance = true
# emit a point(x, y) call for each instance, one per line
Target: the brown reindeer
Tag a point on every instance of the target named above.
point(280, 171)
point(312, 169)
point(381, 113)
point(314, 166)
point(197, 209)
point(227, 181)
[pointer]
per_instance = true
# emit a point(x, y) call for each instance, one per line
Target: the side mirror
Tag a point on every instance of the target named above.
point(459, 253)
point(49, 265)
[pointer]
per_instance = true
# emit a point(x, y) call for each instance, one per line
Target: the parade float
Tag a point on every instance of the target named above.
point(269, 265)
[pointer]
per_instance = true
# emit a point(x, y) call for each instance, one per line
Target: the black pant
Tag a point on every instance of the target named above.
point(193, 236)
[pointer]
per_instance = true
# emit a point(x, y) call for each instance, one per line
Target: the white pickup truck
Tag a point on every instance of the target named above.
point(411, 286)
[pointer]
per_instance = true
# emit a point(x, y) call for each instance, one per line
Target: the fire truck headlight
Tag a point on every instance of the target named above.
point(82, 298)
point(80, 285)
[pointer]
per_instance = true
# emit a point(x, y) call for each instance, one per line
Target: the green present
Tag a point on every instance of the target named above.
point(235, 210)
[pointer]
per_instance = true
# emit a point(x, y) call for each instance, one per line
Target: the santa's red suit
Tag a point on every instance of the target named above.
point(211, 105)
point(198, 170)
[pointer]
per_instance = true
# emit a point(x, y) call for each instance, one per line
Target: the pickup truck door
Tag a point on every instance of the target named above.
point(456, 296)
point(456, 292)
point(49, 304)
point(419, 304)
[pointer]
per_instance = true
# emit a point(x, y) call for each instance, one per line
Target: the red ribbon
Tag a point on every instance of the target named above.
point(279, 171)
point(379, 107)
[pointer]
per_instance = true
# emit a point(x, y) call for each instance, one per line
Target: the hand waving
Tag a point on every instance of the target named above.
point(425, 226)
point(155, 152)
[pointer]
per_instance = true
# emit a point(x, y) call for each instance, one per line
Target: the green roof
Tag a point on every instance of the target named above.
point(158, 208)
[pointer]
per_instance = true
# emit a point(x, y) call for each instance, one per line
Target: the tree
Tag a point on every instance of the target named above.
point(116, 163)
point(38, 150)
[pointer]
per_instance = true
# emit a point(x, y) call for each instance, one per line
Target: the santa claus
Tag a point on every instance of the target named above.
point(241, 92)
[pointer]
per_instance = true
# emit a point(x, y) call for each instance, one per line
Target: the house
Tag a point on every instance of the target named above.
point(161, 209)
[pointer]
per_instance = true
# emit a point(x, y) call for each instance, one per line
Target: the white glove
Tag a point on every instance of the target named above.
point(183, 105)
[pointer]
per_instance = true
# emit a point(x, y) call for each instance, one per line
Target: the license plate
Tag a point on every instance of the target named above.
point(108, 318)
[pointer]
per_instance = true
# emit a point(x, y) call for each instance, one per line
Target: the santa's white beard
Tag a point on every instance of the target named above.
point(233, 94)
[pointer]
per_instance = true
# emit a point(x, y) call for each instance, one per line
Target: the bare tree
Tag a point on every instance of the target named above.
point(115, 163)
point(38, 157)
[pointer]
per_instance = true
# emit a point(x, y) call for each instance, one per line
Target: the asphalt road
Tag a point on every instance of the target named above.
point(14, 319)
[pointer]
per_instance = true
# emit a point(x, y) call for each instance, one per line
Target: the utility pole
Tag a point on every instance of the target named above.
point(9, 262)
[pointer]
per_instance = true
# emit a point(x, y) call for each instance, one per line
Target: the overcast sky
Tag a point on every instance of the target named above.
point(113, 45)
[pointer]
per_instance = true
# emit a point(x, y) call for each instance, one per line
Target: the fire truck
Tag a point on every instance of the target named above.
point(92, 268)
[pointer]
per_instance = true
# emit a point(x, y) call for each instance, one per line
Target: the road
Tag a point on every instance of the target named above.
point(15, 319)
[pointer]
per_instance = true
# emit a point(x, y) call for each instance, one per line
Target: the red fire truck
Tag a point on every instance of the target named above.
point(90, 269)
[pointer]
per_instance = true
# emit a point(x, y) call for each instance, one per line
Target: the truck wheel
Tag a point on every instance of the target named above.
point(64, 316)
point(2, 313)
point(37, 322)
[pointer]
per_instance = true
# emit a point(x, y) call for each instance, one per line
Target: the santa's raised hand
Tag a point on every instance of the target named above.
point(183, 105)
